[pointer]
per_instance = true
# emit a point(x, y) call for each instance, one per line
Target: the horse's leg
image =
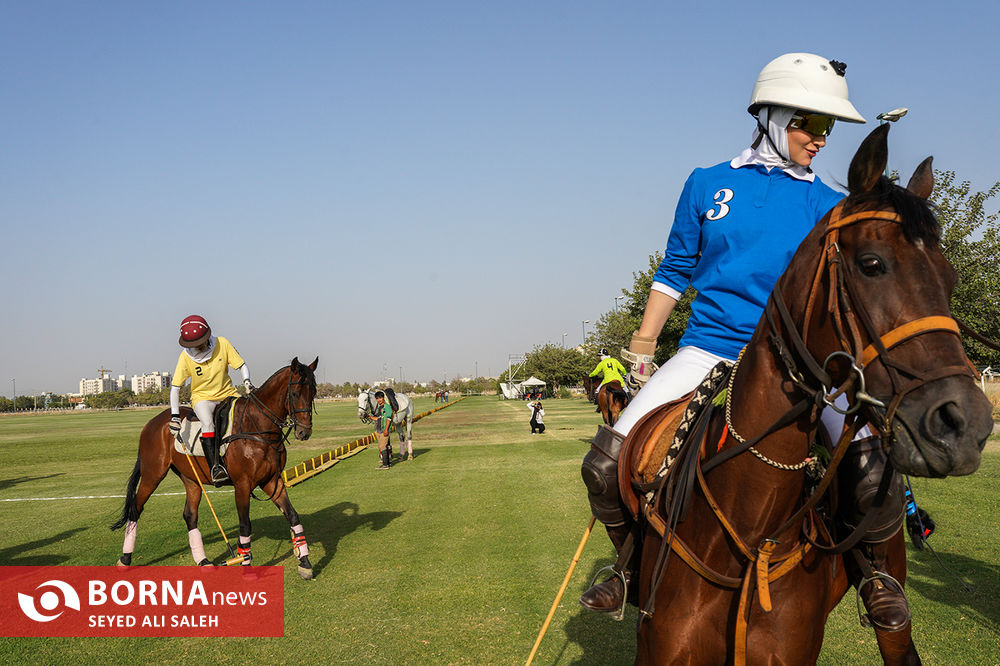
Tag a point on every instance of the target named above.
point(192, 492)
point(242, 494)
point(299, 545)
point(897, 647)
point(141, 485)
point(409, 431)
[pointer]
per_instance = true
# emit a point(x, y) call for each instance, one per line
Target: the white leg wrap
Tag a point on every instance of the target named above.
point(302, 549)
point(131, 530)
point(197, 547)
point(244, 549)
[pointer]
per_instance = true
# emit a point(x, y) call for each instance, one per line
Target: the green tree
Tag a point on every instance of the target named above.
point(614, 329)
point(970, 239)
point(556, 365)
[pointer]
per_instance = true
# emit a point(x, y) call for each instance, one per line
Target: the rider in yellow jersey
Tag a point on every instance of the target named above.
point(206, 360)
point(610, 369)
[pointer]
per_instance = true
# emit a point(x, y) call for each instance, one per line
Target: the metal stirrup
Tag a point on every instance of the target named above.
point(619, 615)
point(865, 617)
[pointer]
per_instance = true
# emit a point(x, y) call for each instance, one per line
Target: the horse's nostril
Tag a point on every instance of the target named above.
point(946, 421)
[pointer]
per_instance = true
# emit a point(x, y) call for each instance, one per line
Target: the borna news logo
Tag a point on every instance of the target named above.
point(142, 601)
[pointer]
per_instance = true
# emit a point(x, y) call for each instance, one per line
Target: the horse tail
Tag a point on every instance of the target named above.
point(618, 392)
point(129, 512)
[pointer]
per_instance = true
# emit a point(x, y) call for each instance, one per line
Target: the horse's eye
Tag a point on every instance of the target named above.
point(871, 265)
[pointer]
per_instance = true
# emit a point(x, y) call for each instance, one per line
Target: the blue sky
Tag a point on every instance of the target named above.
point(428, 186)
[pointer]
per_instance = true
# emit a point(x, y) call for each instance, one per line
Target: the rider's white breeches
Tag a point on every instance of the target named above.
point(682, 374)
point(205, 411)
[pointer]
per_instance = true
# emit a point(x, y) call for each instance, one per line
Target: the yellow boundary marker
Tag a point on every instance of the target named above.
point(317, 464)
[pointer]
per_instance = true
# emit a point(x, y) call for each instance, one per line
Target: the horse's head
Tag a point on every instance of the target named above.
point(364, 405)
point(877, 318)
point(301, 393)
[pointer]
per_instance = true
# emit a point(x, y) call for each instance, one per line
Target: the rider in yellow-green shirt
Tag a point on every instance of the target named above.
point(610, 370)
point(206, 359)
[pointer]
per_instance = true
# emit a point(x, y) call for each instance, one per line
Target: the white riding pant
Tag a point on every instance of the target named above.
point(682, 374)
point(205, 411)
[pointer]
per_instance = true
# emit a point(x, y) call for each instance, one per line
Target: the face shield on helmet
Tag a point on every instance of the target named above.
point(805, 82)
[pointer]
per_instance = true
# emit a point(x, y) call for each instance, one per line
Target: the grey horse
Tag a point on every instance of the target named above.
point(400, 418)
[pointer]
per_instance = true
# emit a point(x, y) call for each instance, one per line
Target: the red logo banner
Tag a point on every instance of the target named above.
point(142, 601)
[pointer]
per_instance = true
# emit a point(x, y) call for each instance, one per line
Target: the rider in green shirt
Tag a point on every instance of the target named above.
point(610, 370)
point(383, 421)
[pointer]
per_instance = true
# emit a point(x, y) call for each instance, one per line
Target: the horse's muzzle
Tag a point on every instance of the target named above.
point(941, 429)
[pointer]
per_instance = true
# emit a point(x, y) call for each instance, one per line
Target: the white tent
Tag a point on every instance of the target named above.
point(532, 382)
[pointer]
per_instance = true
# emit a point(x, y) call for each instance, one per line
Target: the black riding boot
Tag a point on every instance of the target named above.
point(214, 460)
point(600, 474)
point(859, 476)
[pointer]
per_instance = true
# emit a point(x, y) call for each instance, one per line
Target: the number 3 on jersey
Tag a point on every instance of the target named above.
point(722, 197)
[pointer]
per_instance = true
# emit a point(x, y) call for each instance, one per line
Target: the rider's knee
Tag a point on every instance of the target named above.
point(600, 475)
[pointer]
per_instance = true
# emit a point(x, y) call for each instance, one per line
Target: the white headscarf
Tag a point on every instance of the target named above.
point(772, 148)
point(205, 355)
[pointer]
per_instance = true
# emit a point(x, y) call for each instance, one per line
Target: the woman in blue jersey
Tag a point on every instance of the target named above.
point(736, 227)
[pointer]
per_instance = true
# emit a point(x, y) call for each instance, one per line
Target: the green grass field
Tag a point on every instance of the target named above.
point(453, 558)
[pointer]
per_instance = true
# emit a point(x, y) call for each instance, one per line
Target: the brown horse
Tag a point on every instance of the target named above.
point(736, 564)
point(611, 400)
point(255, 459)
point(591, 385)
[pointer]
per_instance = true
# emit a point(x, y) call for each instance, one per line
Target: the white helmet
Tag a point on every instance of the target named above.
point(806, 82)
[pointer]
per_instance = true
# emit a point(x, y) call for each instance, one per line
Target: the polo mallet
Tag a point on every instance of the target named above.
point(555, 604)
point(233, 557)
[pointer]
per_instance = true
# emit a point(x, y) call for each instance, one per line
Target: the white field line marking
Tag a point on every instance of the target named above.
point(45, 499)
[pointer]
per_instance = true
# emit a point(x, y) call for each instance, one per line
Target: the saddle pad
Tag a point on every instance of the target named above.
point(190, 435)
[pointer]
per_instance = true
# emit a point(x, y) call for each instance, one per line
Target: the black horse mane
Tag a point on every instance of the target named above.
point(918, 219)
point(307, 373)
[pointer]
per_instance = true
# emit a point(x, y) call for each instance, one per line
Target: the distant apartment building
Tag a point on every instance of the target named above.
point(99, 385)
point(139, 383)
point(153, 381)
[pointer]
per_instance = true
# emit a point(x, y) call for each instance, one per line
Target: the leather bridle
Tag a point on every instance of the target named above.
point(853, 325)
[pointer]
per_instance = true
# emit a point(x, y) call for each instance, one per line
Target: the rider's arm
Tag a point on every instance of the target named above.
point(175, 400)
point(658, 309)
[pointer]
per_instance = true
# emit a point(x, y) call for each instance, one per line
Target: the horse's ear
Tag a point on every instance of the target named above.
point(922, 181)
point(869, 162)
point(312, 366)
point(295, 363)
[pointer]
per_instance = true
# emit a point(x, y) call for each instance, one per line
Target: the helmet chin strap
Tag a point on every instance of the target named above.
point(771, 119)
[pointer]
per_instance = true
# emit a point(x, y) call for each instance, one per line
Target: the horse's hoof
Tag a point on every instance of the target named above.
point(205, 563)
point(122, 564)
point(305, 568)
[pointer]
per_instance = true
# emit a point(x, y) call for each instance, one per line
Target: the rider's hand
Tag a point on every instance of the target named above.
point(175, 425)
point(248, 386)
point(640, 355)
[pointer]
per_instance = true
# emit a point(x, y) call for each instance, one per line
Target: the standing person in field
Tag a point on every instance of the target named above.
point(736, 227)
point(383, 421)
point(206, 360)
point(537, 414)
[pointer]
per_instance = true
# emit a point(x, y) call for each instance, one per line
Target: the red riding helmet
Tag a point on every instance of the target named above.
point(194, 331)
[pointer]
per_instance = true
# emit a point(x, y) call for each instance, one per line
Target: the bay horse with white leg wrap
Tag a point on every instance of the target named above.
point(738, 563)
point(255, 459)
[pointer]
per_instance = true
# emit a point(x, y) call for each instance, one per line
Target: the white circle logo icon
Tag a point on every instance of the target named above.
point(49, 601)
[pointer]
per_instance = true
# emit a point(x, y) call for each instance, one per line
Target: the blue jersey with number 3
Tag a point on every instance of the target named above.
point(734, 233)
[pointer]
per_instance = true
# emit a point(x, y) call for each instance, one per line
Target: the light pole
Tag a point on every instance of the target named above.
point(583, 328)
point(891, 117)
point(618, 298)
point(564, 341)
point(14, 382)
